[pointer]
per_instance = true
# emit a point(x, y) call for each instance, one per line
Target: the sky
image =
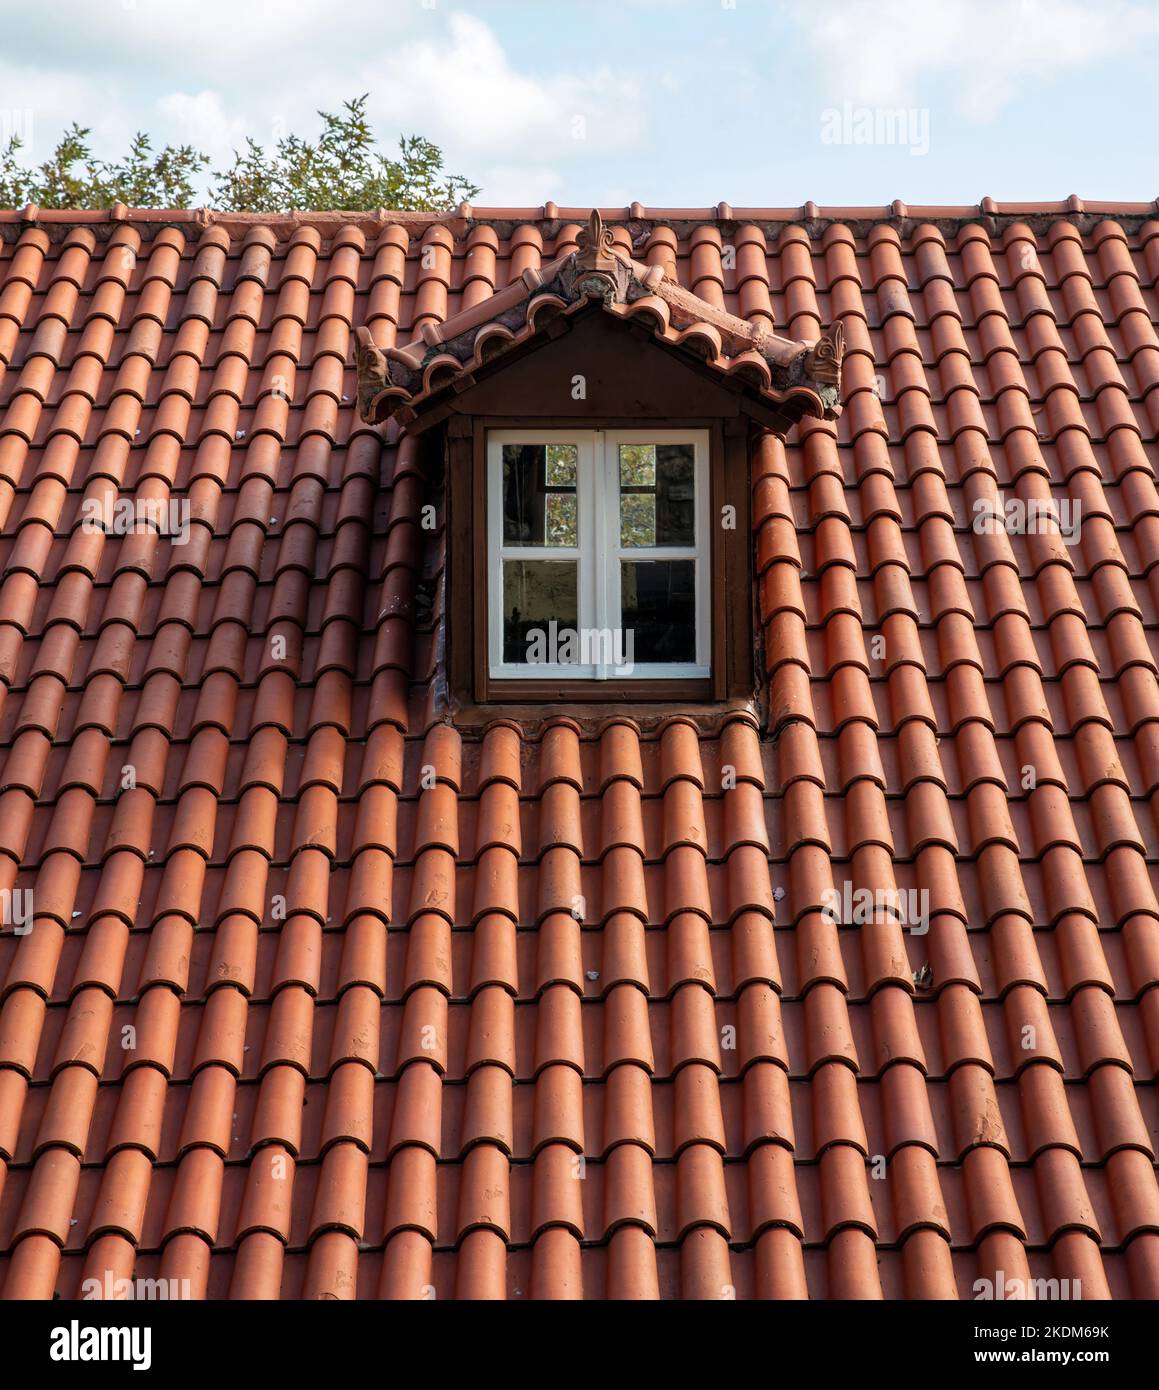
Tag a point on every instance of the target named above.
point(757, 103)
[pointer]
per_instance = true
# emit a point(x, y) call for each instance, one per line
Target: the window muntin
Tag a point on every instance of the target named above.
point(598, 554)
point(540, 506)
point(657, 494)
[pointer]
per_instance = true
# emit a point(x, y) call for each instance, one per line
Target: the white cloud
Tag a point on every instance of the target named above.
point(199, 119)
point(213, 35)
point(460, 88)
point(877, 52)
point(39, 103)
point(517, 185)
point(518, 126)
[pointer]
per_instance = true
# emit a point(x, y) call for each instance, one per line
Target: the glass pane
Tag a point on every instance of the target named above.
point(540, 600)
point(637, 518)
point(637, 465)
point(562, 519)
point(657, 494)
point(561, 465)
point(539, 495)
point(658, 601)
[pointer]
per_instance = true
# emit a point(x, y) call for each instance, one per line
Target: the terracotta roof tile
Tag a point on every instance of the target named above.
point(325, 998)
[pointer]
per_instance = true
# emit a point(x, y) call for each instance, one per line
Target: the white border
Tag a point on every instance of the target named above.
point(599, 552)
point(699, 553)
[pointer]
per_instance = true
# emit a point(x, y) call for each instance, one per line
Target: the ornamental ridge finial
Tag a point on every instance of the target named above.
point(596, 250)
point(823, 360)
point(373, 369)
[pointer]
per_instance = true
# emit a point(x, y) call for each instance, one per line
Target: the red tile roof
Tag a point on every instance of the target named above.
point(598, 265)
point(294, 1021)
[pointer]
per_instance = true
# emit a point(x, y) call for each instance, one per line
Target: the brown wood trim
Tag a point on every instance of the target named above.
point(458, 615)
point(466, 612)
point(737, 396)
point(481, 567)
point(583, 422)
point(629, 692)
point(716, 558)
point(736, 583)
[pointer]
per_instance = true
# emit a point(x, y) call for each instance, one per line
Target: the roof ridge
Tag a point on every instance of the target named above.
point(466, 215)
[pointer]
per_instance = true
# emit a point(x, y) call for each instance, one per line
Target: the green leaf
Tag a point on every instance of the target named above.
point(344, 169)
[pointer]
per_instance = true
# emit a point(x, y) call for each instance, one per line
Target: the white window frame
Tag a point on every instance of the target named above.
point(599, 552)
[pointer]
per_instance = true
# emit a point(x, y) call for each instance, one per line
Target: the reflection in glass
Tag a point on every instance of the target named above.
point(657, 495)
point(658, 602)
point(637, 465)
point(539, 495)
point(637, 518)
point(536, 594)
point(561, 465)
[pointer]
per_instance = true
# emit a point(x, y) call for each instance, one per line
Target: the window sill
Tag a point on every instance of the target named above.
point(539, 691)
point(647, 711)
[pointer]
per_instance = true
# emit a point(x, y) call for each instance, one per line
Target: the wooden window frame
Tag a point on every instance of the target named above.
point(732, 642)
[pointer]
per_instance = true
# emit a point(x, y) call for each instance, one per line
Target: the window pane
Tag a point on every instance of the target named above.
point(561, 465)
point(657, 494)
point(675, 495)
point(637, 465)
point(536, 593)
point(637, 518)
point(658, 602)
point(562, 519)
point(539, 495)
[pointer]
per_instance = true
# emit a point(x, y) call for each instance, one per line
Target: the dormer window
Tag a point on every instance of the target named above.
point(588, 431)
point(598, 554)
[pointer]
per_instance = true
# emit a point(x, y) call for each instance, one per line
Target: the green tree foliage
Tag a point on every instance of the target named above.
point(343, 169)
point(73, 178)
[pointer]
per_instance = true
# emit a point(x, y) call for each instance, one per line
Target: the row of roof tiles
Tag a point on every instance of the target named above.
point(439, 1072)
